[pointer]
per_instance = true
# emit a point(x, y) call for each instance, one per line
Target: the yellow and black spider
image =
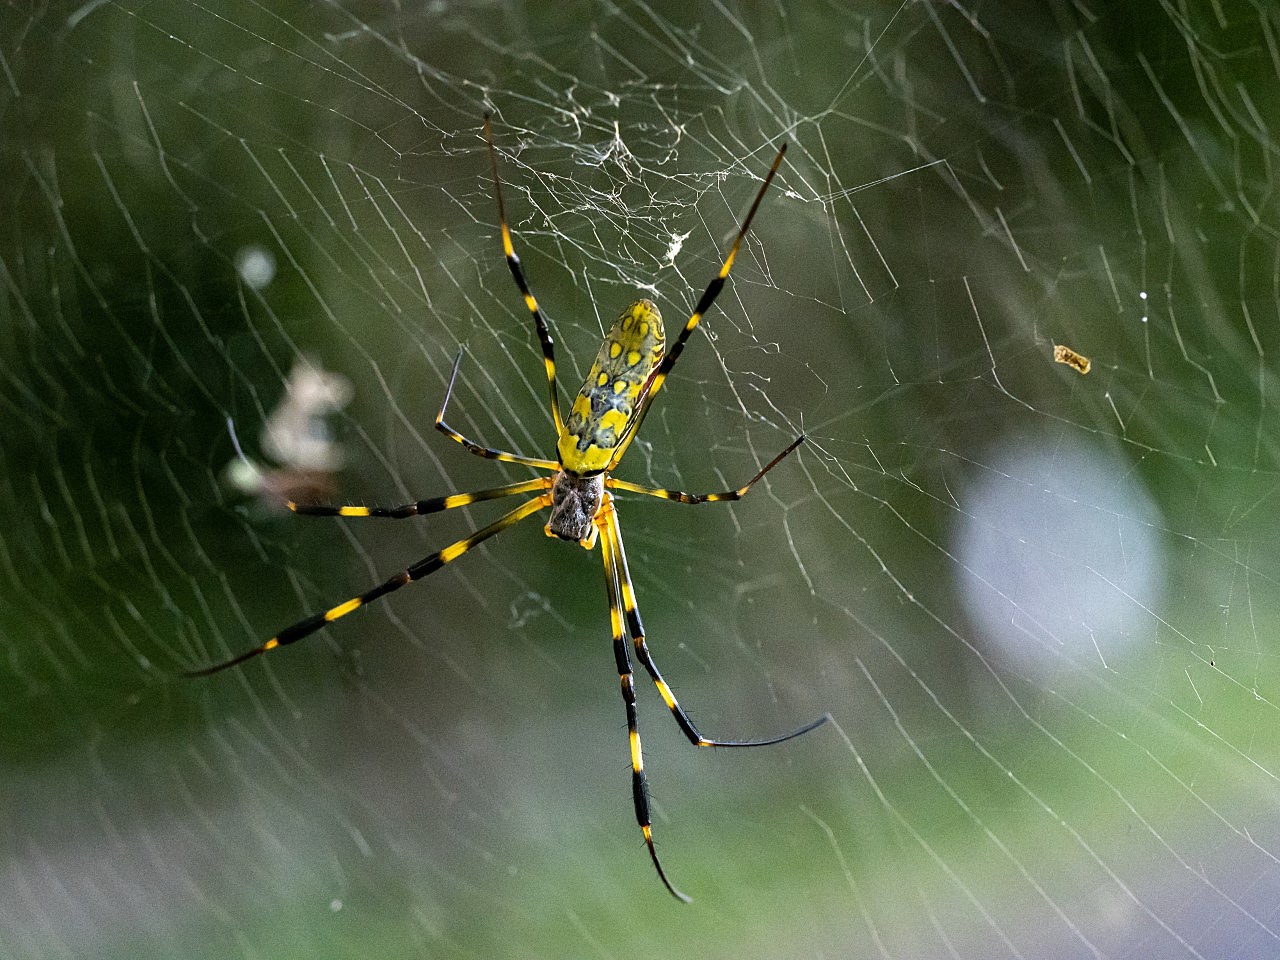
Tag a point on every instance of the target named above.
point(628, 371)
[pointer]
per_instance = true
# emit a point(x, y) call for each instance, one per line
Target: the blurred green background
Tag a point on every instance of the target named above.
point(1040, 606)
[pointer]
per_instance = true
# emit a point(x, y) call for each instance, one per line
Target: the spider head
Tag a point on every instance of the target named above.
point(575, 501)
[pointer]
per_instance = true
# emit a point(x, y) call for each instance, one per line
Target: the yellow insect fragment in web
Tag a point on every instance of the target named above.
point(1077, 361)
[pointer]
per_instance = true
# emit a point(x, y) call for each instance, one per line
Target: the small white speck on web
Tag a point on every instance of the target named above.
point(674, 247)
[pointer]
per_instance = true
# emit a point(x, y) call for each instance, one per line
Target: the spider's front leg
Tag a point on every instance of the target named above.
point(639, 782)
point(421, 508)
point(624, 617)
point(423, 568)
point(636, 628)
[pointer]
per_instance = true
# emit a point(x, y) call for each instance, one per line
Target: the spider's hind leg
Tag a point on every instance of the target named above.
point(517, 273)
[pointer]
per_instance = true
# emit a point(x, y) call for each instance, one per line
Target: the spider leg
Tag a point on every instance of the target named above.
point(487, 452)
point(517, 272)
point(639, 783)
point(679, 497)
point(423, 568)
point(704, 304)
point(613, 532)
point(422, 507)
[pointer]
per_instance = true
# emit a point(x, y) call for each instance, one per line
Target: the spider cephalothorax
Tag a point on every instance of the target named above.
point(628, 372)
point(575, 501)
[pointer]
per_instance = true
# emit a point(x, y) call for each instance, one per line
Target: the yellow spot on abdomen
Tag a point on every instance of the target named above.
point(353, 512)
point(606, 406)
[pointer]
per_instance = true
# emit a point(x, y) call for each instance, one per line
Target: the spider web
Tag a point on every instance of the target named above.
point(241, 250)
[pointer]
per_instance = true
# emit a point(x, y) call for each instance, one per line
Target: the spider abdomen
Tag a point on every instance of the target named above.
point(609, 399)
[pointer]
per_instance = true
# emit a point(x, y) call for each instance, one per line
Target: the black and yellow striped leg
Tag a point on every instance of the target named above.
point(517, 272)
point(676, 495)
point(487, 452)
point(717, 284)
point(634, 625)
point(704, 304)
point(422, 507)
point(639, 783)
point(423, 568)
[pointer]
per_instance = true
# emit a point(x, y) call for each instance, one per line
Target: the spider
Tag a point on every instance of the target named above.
point(628, 372)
